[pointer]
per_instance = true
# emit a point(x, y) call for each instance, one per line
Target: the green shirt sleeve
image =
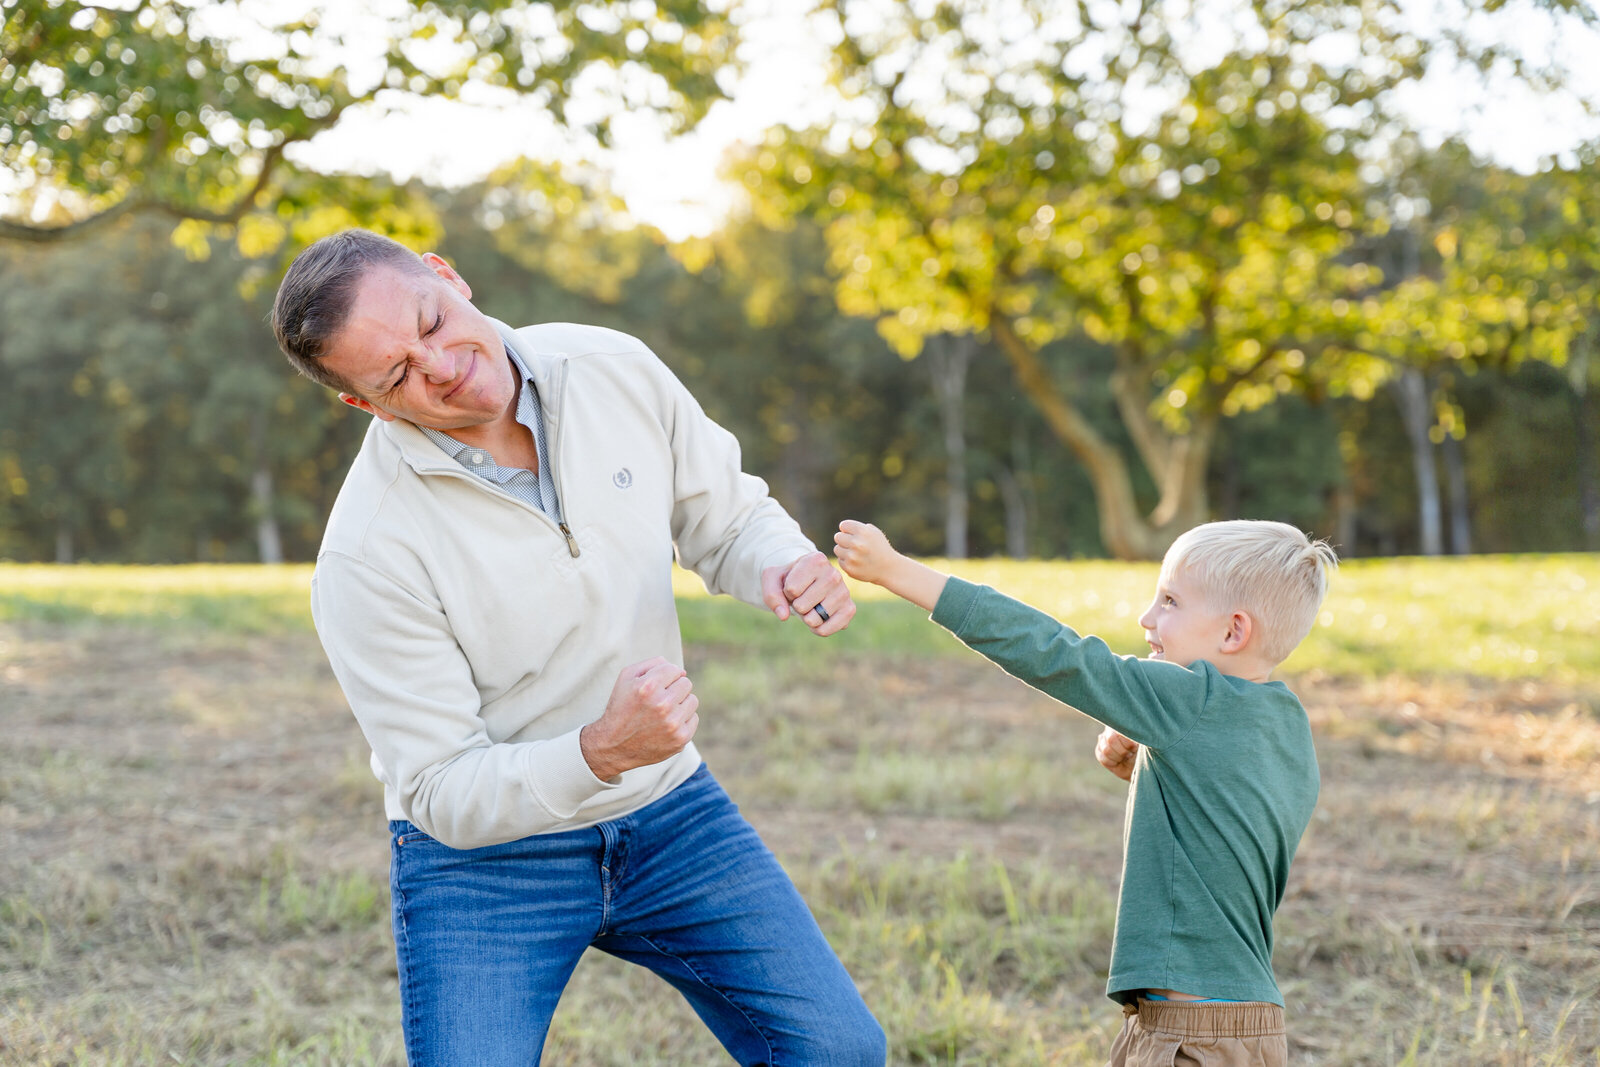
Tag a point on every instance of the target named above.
point(1151, 701)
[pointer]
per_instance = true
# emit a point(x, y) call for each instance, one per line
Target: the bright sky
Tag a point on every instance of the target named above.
point(673, 184)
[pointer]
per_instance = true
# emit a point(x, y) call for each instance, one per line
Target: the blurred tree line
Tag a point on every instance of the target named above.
point(150, 416)
point(993, 311)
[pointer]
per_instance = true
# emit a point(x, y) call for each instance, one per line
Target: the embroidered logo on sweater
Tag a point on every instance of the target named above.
point(622, 479)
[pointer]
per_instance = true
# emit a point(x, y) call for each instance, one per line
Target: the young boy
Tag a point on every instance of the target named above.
point(1224, 777)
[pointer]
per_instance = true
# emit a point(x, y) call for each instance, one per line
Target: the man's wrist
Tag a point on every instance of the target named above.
point(603, 769)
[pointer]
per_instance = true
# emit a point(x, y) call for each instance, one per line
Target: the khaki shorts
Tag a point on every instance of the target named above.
point(1175, 1033)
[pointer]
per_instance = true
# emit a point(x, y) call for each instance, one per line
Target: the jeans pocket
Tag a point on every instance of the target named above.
point(404, 833)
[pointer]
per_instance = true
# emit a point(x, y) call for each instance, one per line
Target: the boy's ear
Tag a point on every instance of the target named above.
point(1241, 627)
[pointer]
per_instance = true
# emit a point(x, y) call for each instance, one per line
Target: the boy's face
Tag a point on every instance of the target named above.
point(1180, 626)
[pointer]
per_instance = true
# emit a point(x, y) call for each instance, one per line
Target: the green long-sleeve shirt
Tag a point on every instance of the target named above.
point(1221, 793)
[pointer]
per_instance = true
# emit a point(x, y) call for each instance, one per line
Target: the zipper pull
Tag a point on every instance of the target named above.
point(572, 542)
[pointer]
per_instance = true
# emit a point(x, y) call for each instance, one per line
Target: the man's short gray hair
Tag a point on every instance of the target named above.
point(317, 291)
point(1270, 570)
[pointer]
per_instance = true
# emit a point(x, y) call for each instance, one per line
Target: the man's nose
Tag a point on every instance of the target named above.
point(436, 364)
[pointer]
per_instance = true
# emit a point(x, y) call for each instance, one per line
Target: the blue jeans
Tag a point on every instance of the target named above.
point(488, 937)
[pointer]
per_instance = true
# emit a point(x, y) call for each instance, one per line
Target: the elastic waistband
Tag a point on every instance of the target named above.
point(1200, 1019)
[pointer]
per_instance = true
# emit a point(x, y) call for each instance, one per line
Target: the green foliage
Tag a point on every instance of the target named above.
point(154, 418)
point(556, 228)
point(1520, 457)
point(187, 109)
point(151, 419)
point(1044, 172)
point(1283, 462)
point(820, 404)
point(1495, 267)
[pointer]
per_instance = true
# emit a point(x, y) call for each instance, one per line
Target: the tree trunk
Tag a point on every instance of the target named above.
point(790, 481)
point(1016, 505)
point(63, 542)
point(1345, 519)
point(1177, 463)
point(1455, 470)
point(949, 356)
point(799, 457)
point(268, 542)
point(1016, 493)
point(797, 463)
point(1588, 487)
point(1583, 418)
point(1411, 394)
point(1416, 412)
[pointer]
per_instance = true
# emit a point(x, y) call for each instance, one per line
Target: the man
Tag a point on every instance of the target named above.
point(494, 594)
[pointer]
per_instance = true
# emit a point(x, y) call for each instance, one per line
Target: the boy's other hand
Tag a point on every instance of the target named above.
point(863, 551)
point(1116, 753)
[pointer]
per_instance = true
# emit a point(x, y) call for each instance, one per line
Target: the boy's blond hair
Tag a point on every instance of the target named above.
point(1270, 570)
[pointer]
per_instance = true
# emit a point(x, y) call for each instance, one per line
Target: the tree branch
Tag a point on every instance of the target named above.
point(1125, 532)
point(241, 207)
point(134, 204)
point(1133, 403)
point(18, 231)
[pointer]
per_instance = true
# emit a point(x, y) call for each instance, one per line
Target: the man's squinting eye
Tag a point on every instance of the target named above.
point(438, 321)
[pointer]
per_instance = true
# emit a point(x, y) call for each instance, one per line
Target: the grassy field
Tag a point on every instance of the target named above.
point(195, 866)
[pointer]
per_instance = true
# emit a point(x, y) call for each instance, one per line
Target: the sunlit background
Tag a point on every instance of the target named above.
point(676, 183)
point(1014, 277)
point(1032, 284)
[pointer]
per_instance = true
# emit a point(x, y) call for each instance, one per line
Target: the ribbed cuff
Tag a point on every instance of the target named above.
point(955, 604)
point(559, 777)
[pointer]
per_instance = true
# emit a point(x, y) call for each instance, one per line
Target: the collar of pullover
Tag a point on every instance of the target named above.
point(547, 370)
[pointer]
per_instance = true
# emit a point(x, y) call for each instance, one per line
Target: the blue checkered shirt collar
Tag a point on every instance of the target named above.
point(536, 488)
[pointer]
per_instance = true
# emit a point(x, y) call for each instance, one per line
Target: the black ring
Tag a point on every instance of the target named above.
point(822, 612)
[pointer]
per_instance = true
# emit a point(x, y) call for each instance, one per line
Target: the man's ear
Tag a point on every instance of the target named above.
point(366, 405)
point(444, 270)
point(1240, 628)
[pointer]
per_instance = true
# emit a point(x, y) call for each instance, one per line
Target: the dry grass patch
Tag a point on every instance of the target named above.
point(197, 864)
point(1448, 894)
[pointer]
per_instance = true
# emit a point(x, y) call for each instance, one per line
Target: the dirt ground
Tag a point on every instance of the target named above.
point(195, 859)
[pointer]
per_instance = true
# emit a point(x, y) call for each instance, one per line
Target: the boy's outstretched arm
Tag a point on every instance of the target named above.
point(865, 554)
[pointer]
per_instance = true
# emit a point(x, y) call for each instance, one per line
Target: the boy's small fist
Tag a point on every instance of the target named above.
point(861, 549)
point(1116, 753)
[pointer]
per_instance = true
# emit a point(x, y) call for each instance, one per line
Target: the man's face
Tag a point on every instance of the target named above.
point(1179, 625)
point(415, 348)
